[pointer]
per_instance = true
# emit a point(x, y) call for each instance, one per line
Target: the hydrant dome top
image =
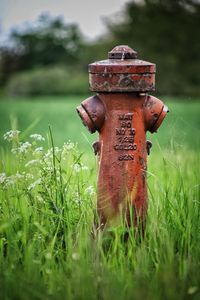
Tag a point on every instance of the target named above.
point(122, 52)
point(122, 59)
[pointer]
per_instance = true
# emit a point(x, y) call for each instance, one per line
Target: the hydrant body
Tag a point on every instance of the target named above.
point(122, 112)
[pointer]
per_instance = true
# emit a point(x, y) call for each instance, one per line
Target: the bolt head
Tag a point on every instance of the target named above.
point(122, 52)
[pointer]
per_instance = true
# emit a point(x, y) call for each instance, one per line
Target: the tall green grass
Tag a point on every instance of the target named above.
point(50, 243)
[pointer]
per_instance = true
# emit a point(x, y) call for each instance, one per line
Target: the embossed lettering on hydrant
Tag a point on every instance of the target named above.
point(125, 134)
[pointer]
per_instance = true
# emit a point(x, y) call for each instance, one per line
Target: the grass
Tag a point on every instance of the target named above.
point(49, 246)
point(181, 127)
point(38, 113)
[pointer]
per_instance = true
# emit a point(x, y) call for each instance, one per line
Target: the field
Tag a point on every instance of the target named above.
point(49, 245)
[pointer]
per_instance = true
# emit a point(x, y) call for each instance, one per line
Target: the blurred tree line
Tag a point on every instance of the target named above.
point(51, 57)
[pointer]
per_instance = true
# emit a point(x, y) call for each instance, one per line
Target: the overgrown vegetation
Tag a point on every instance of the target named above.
point(50, 248)
point(49, 245)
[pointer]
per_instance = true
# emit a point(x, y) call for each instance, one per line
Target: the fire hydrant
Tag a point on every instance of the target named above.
point(122, 112)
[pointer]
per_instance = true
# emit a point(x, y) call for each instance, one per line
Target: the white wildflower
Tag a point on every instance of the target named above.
point(34, 184)
point(90, 190)
point(38, 150)
point(77, 199)
point(23, 176)
point(49, 153)
point(11, 135)
point(84, 167)
point(78, 167)
point(10, 181)
point(22, 149)
point(48, 156)
point(28, 176)
point(33, 162)
point(37, 137)
point(48, 168)
point(57, 150)
point(19, 176)
point(2, 177)
point(14, 150)
point(68, 146)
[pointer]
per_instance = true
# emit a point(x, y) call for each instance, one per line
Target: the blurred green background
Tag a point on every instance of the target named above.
point(50, 57)
point(180, 129)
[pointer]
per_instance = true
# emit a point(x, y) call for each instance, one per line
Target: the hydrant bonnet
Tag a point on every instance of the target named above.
point(122, 72)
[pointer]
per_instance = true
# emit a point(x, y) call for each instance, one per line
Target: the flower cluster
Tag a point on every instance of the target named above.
point(11, 135)
point(38, 150)
point(46, 173)
point(33, 162)
point(22, 149)
point(34, 184)
point(90, 190)
point(79, 167)
point(2, 177)
point(12, 180)
point(37, 137)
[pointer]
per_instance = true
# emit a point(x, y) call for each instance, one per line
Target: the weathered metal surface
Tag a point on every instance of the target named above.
point(122, 119)
point(122, 72)
point(121, 82)
point(122, 160)
point(154, 113)
point(92, 113)
point(124, 66)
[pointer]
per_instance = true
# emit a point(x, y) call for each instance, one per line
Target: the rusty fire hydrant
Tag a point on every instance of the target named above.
point(122, 112)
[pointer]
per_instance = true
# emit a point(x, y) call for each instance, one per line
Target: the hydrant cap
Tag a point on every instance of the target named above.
point(122, 72)
point(122, 52)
